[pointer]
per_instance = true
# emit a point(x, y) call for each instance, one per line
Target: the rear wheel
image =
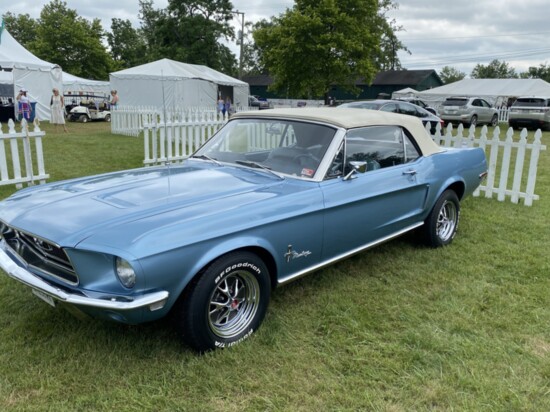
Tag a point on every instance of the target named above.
point(226, 303)
point(441, 224)
point(473, 121)
point(83, 118)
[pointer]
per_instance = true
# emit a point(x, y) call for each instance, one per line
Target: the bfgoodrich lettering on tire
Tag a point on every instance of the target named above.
point(226, 303)
point(441, 224)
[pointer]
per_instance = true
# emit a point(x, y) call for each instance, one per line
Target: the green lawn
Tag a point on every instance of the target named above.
point(398, 328)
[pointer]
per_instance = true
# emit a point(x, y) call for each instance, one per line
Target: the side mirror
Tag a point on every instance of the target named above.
point(356, 167)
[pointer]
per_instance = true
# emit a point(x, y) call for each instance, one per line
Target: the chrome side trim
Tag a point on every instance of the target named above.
point(343, 256)
point(154, 300)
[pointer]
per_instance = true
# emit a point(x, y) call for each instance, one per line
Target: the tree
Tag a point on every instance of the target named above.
point(189, 31)
point(541, 72)
point(71, 41)
point(450, 75)
point(321, 43)
point(494, 70)
point(127, 45)
point(22, 27)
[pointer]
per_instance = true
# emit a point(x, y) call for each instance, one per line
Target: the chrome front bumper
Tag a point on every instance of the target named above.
point(154, 301)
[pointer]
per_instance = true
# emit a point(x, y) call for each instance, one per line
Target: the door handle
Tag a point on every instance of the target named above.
point(410, 172)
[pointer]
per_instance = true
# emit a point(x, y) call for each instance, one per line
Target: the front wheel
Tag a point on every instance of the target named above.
point(494, 120)
point(226, 303)
point(441, 224)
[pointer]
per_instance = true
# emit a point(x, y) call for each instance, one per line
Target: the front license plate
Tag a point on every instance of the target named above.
point(46, 298)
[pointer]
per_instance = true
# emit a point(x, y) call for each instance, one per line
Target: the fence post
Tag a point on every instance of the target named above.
point(532, 174)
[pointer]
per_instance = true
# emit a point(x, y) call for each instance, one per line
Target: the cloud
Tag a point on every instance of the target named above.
point(460, 34)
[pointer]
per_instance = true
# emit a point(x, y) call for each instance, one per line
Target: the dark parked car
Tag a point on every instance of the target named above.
point(253, 101)
point(397, 106)
point(470, 111)
point(420, 103)
point(273, 196)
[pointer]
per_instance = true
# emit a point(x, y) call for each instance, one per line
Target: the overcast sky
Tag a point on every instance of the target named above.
point(458, 33)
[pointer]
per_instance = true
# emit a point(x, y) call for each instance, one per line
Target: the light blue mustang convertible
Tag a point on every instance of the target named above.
point(273, 196)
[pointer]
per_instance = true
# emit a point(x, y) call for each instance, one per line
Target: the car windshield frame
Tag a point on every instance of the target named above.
point(285, 147)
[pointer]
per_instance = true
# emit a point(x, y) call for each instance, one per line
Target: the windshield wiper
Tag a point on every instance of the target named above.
point(256, 165)
point(205, 157)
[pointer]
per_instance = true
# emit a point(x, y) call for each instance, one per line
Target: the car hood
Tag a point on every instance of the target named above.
point(70, 211)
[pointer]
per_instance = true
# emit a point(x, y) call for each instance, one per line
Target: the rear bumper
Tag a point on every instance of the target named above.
point(153, 301)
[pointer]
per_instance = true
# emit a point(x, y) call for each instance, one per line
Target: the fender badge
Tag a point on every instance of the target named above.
point(292, 254)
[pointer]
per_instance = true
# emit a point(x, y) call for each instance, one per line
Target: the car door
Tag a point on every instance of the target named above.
point(487, 110)
point(383, 201)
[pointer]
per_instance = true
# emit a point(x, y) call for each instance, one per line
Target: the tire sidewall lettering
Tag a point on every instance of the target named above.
point(236, 266)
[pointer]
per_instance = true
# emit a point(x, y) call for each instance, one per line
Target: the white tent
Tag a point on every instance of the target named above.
point(406, 92)
point(28, 71)
point(495, 91)
point(75, 85)
point(168, 83)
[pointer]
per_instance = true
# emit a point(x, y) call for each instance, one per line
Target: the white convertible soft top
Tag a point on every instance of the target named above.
point(351, 119)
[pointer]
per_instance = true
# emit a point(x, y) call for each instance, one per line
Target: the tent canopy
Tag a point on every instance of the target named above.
point(495, 91)
point(28, 71)
point(75, 84)
point(170, 83)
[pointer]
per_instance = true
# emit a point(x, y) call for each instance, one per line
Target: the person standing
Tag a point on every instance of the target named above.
point(114, 99)
point(221, 106)
point(57, 104)
point(227, 106)
point(23, 105)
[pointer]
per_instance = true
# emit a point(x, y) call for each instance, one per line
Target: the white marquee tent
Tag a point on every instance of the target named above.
point(168, 83)
point(495, 91)
point(28, 71)
point(75, 85)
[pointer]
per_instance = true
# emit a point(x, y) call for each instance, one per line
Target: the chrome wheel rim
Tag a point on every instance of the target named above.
point(446, 221)
point(233, 304)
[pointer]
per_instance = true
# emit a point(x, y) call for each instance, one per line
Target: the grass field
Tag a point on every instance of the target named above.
point(398, 328)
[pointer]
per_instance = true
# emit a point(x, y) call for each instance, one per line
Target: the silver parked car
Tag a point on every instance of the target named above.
point(469, 111)
point(530, 112)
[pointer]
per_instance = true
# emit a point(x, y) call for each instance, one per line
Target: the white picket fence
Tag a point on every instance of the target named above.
point(512, 162)
point(131, 121)
point(21, 149)
point(180, 135)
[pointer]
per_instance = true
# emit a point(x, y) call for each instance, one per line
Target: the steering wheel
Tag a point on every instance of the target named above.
point(305, 156)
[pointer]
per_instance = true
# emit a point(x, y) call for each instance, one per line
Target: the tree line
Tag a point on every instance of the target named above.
point(307, 49)
point(496, 69)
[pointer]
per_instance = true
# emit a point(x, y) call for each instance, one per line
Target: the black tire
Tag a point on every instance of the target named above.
point(108, 118)
point(226, 303)
point(83, 118)
point(473, 121)
point(441, 224)
point(494, 121)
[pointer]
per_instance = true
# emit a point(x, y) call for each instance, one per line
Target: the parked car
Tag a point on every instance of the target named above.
point(469, 111)
point(533, 112)
point(397, 106)
point(271, 197)
point(420, 103)
point(253, 101)
point(90, 112)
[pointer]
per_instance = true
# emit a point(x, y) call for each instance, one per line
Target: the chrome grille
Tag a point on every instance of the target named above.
point(39, 253)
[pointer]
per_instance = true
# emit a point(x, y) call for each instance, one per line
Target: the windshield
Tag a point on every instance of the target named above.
point(531, 102)
point(455, 102)
point(282, 146)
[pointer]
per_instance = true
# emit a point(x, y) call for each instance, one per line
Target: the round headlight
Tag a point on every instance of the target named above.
point(125, 273)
